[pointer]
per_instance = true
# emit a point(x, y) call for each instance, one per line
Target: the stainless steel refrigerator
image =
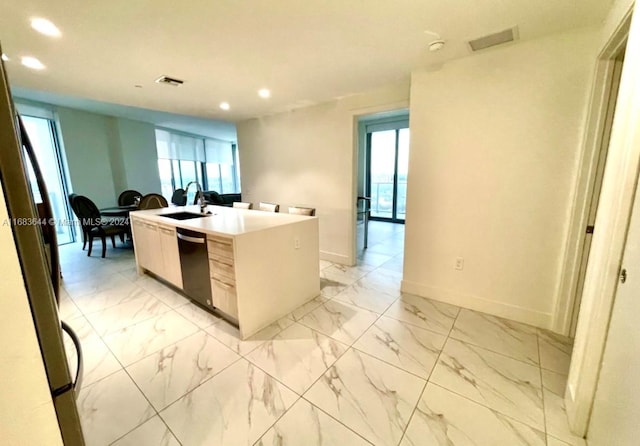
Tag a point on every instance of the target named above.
point(40, 267)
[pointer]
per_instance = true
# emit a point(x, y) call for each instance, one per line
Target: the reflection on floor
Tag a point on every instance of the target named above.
point(360, 364)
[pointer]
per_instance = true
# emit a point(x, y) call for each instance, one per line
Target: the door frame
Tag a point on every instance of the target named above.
point(614, 211)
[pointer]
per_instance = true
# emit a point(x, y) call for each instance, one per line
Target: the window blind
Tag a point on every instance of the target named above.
point(179, 147)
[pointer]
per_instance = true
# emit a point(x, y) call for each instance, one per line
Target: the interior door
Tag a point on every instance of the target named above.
point(616, 407)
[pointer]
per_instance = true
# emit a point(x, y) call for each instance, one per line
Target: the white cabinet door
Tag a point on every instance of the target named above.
point(170, 256)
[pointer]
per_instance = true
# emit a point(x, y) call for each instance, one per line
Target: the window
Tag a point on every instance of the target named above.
point(182, 159)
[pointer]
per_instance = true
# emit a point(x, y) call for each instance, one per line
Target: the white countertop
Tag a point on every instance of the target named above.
point(222, 220)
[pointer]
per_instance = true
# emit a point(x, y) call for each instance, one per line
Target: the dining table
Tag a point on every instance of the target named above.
point(119, 216)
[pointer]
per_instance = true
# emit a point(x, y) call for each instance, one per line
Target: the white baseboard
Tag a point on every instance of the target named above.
point(501, 309)
point(336, 258)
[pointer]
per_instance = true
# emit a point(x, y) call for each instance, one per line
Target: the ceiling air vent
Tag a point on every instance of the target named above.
point(508, 35)
point(169, 81)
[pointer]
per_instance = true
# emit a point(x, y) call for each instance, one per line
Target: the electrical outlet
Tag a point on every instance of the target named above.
point(296, 243)
point(459, 263)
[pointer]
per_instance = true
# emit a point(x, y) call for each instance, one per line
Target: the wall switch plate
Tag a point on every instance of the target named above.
point(459, 263)
point(296, 243)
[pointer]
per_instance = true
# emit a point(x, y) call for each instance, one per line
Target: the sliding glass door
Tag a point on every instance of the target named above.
point(43, 137)
point(388, 156)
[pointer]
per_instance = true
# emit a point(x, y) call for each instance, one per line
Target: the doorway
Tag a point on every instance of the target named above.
point(43, 136)
point(387, 168)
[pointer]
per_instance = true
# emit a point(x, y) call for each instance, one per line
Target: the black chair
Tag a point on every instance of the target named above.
point(128, 197)
point(93, 226)
point(153, 201)
point(72, 198)
point(179, 198)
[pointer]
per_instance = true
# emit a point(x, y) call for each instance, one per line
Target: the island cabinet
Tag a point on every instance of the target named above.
point(261, 265)
point(157, 250)
point(222, 271)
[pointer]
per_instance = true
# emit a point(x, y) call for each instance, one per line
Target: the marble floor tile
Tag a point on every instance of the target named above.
point(555, 351)
point(506, 385)
point(306, 425)
point(230, 335)
point(509, 338)
point(97, 361)
point(130, 344)
point(384, 280)
point(554, 385)
point(331, 285)
point(179, 368)
point(551, 441)
point(367, 395)
point(202, 318)
point(389, 247)
point(367, 298)
point(92, 282)
point(126, 314)
point(348, 273)
point(171, 298)
point(151, 433)
point(424, 313)
point(110, 408)
point(307, 307)
point(343, 322)
point(404, 345)
point(443, 418)
point(395, 264)
point(325, 264)
point(235, 407)
point(373, 259)
point(67, 309)
point(297, 356)
point(110, 297)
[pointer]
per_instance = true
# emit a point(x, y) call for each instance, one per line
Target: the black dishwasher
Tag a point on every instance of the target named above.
point(194, 262)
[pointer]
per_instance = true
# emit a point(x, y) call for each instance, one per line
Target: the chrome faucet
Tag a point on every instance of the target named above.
point(199, 194)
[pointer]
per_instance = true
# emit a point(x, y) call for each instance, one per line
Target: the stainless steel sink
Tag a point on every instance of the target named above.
point(184, 215)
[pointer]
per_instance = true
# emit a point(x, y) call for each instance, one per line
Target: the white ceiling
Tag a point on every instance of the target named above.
point(305, 51)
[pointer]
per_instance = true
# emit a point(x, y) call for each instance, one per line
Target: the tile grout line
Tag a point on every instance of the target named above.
point(544, 412)
point(404, 432)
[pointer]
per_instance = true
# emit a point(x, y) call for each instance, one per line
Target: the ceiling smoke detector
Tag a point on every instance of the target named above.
point(169, 81)
point(499, 38)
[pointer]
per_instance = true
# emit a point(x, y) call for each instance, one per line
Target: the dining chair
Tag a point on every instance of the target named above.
point(179, 198)
point(128, 197)
point(269, 207)
point(72, 199)
point(93, 226)
point(242, 205)
point(298, 210)
point(153, 201)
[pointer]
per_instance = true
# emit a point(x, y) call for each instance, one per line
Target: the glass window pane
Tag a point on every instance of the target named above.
point(383, 153)
point(164, 168)
point(42, 139)
point(228, 186)
point(213, 177)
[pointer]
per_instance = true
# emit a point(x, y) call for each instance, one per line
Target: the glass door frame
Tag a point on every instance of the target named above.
point(380, 126)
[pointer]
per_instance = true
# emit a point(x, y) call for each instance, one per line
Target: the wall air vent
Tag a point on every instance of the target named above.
point(169, 81)
point(508, 35)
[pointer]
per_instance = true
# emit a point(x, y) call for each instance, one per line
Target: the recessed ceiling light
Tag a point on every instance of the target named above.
point(5, 57)
point(264, 93)
point(32, 62)
point(45, 27)
point(225, 105)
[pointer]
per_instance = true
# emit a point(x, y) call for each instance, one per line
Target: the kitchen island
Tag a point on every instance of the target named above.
point(259, 266)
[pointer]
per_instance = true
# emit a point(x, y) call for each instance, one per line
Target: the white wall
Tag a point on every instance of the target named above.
point(26, 410)
point(494, 144)
point(137, 143)
point(306, 157)
point(87, 146)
